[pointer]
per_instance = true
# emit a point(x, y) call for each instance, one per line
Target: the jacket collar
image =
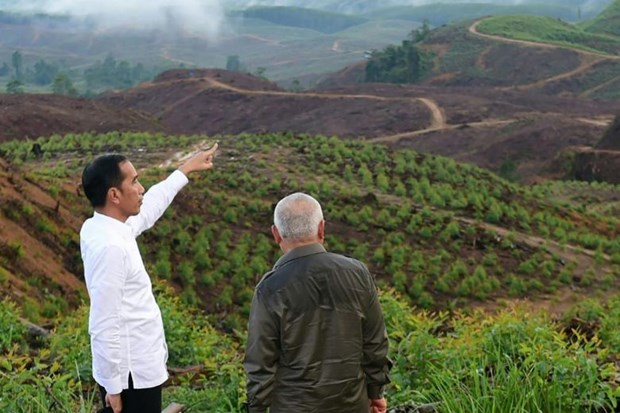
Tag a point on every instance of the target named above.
point(299, 252)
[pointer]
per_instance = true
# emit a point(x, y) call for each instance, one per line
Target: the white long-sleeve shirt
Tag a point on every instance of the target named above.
point(125, 324)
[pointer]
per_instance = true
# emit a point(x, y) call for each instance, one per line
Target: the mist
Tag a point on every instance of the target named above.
point(190, 17)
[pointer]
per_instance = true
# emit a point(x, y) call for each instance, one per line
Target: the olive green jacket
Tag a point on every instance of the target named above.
point(316, 339)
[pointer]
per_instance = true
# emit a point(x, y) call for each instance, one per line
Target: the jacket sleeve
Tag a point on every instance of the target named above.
point(156, 200)
point(262, 354)
point(375, 362)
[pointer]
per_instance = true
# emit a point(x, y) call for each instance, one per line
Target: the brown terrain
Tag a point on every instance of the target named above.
point(31, 116)
point(484, 126)
point(528, 123)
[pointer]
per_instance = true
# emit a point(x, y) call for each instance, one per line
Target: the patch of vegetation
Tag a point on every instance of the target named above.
point(514, 359)
point(439, 14)
point(406, 63)
point(606, 22)
point(425, 224)
point(549, 30)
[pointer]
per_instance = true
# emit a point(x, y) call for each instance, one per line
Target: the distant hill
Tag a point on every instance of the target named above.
point(547, 30)
point(284, 43)
point(608, 22)
point(30, 116)
point(320, 21)
point(495, 129)
point(522, 52)
point(438, 14)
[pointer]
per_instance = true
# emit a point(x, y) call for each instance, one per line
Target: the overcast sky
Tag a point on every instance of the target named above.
point(200, 16)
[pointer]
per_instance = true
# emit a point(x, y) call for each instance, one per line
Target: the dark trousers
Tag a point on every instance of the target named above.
point(138, 400)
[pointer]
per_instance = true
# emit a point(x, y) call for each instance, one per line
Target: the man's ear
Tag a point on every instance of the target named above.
point(321, 233)
point(113, 195)
point(276, 234)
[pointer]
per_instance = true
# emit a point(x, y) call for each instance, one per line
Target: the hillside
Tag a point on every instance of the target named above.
point(390, 208)
point(437, 234)
point(31, 116)
point(490, 128)
point(321, 21)
point(533, 53)
point(606, 22)
point(285, 43)
point(482, 126)
point(440, 13)
point(611, 138)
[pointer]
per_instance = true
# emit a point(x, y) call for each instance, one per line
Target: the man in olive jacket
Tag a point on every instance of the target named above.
point(316, 339)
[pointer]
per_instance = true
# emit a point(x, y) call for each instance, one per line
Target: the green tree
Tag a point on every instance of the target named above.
point(5, 70)
point(18, 64)
point(15, 87)
point(63, 85)
point(233, 63)
point(260, 72)
point(44, 73)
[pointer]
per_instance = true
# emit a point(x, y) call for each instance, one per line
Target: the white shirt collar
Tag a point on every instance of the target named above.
point(113, 222)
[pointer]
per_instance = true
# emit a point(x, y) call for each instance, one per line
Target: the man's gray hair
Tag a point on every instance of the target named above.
point(297, 216)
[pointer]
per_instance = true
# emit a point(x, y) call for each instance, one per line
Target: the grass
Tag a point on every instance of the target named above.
point(606, 22)
point(445, 13)
point(549, 30)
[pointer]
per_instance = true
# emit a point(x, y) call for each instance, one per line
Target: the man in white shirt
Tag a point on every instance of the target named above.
point(125, 325)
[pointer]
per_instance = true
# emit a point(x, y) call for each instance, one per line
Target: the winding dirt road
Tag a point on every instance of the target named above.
point(438, 118)
point(588, 58)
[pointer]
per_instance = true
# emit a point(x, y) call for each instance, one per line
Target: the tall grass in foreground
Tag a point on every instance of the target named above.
point(513, 361)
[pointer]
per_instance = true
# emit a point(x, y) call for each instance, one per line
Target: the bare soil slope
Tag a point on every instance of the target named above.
point(31, 116)
point(481, 125)
point(485, 126)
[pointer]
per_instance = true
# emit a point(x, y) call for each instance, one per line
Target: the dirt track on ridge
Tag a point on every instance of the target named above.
point(588, 59)
point(438, 118)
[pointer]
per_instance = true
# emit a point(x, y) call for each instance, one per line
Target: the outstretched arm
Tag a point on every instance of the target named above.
point(160, 196)
point(199, 162)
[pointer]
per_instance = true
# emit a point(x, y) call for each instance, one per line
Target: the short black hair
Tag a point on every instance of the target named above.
point(100, 175)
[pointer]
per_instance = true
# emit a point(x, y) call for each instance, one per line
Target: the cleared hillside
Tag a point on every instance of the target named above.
point(611, 138)
point(532, 53)
point(31, 116)
point(488, 127)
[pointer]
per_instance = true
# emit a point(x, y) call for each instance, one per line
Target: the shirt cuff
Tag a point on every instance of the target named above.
point(375, 392)
point(112, 386)
point(178, 180)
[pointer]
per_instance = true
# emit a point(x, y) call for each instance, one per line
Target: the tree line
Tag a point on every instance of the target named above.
point(62, 80)
point(406, 63)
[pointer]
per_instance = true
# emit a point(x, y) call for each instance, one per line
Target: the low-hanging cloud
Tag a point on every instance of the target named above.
point(200, 17)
